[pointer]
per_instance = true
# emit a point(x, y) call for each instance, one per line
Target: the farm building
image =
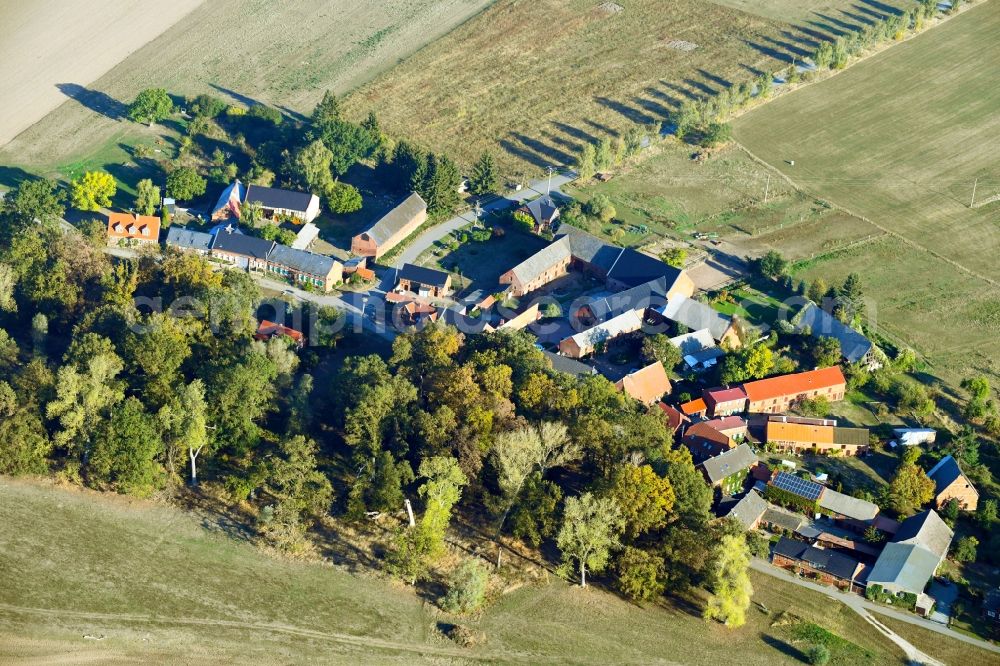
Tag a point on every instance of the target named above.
point(698, 349)
point(586, 342)
point(854, 347)
point(908, 563)
point(648, 295)
point(568, 365)
point(728, 470)
point(230, 202)
point(695, 315)
point(828, 566)
point(777, 395)
point(523, 319)
point(425, 282)
point(133, 230)
point(799, 435)
point(275, 203)
point(914, 436)
point(951, 483)
point(392, 229)
point(749, 510)
point(647, 385)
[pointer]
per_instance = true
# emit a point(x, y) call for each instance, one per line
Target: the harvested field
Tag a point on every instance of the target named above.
point(534, 80)
point(284, 54)
point(51, 49)
point(901, 139)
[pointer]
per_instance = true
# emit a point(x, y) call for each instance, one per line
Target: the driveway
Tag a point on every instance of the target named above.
point(425, 240)
point(944, 597)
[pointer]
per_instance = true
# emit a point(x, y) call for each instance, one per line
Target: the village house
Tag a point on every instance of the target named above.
point(749, 511)
point(425, 282)
point(725, 401)
point(568, 365)
point(543, 211)
point(823, 436)
point(854, 347)
point(813, 498)
point(675, 419)
point(241, 250)
point(647, 385)
point(825, 565)
point(268, 329)
point(188, 240)
point(275, 203)
point(127, 229)
point(694, 315)
point(646, 296)
point(523, 319)
point(694, 408)
point(391, 229)
point(910, 560)
point(951, 483)
point(708, 439)
point(777, 395)
point(410, 309)
point(302, 267)
point(728, 470)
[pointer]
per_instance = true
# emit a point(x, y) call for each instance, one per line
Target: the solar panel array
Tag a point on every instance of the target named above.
point(800, 487)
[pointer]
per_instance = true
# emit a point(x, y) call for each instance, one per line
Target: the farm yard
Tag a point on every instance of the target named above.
point(575, 71)
point(900, 139)
point(228, 48)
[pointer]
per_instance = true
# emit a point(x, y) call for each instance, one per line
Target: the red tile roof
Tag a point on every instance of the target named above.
point(727, 424)
point(801, 382)
point(715, 396)
point(674, 417)
point(269, 329)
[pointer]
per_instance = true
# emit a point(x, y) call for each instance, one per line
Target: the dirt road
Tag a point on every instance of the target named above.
point(51, 49)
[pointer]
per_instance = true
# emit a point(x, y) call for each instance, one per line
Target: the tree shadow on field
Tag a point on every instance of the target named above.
point(839, 23)
point(13, 176)
point(235, 96)
point(95, 100)
point(874, 14)
point(551, 153)
point(681, 90)
point(882, 7)
point(829, 30)
point(574, 132)
point(784, 648)
point(769, 51)
point(706, 89)
point(715, 78)
point(630, 113)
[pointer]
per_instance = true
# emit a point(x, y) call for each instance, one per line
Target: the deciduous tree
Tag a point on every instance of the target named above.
point(147, 197)
point(93, 190)
point(591, 529)
point(645, 498)
point(150, 106)
point(184, 183)
point(730, 585)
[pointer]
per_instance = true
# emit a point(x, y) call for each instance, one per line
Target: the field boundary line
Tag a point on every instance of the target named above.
point(882, 228)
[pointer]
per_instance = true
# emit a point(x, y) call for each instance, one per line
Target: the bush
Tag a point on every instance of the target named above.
point(206, 106)
point(524, 220)
point(466, 587)
point(264, 112)
point(818, 655)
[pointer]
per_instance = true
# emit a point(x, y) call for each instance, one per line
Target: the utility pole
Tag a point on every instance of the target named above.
point(767, 188)
point(548, 190)
point(975, 183)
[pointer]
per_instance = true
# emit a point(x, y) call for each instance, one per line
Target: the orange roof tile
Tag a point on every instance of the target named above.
point(801, 382)
point(674, 417)
point(647, 385)
point(694, 407)
point(778, 431)
point(269, 329)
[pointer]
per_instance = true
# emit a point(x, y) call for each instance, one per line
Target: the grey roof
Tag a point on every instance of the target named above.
point(588, 248)
point(550, 255)
point(302, 261)
point(749, 509)
point(542, 209)
point(626, 322)
point(944, 473)
point(821, 559)
point(189, 239)
point(782, 518)
point(926, 529)
point(904, 565)
point(569, 365)
point(853, 345)
point(464, 323)
point(652, 294)
point(726, 464)
point(422, 275)
point(848, 506)
point(692, 343)
point(273, 197)
point(696, 316)
point(237, 243)
point(397, 218)
point(633, 268)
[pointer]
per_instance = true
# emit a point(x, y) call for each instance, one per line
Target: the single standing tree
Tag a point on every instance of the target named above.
point(342, 198)
point(731, 589)
point(152, 105)
point(645, 498)
point(147, 197)
point(93, 190)
point(184, 183)
point(772, 265)
point(484, 179)
point(965, 549)
point(192, 426)
point(910, 489)
point(591, 530)
point(585, 162)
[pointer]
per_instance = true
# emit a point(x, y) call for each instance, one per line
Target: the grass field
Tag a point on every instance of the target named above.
point(948, 651)
point(160, 583)
point(534, 80)
point(278, 53)
point(900, 139)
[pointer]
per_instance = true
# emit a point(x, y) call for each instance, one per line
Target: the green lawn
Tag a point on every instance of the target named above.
point(166, 585)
